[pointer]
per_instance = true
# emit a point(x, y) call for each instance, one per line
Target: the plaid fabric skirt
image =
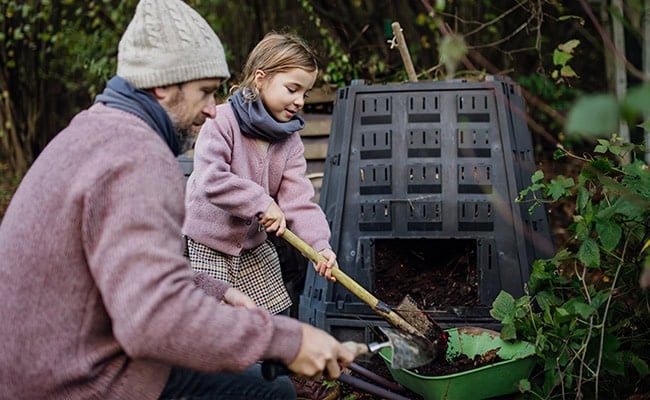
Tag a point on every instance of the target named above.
point(255, 272)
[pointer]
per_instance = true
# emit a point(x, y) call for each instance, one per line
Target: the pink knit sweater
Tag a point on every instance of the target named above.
point(96, 299)
point(234, 180)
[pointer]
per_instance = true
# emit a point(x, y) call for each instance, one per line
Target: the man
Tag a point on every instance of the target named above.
point(96, 298)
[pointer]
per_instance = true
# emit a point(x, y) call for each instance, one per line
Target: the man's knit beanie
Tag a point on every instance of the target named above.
point(168, 42)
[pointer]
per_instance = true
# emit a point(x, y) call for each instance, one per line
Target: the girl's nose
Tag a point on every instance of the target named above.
point(299, 101)
point(211, 108)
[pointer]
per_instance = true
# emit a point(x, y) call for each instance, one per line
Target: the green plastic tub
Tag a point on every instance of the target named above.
point(491, 380)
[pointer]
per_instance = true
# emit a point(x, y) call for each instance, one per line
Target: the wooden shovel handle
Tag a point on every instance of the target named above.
point(378, 306)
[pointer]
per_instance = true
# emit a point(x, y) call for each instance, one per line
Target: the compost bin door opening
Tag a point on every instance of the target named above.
point(436, 273)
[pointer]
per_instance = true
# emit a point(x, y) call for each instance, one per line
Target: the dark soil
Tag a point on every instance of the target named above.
point(461, 363)
point(435, 273)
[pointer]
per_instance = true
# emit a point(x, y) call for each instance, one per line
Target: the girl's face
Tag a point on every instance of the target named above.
point(283, 94)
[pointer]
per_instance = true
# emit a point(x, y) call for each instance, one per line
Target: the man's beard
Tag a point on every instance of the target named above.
point(184, 133)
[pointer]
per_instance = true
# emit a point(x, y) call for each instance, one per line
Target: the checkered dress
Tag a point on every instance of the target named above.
point(255, 272)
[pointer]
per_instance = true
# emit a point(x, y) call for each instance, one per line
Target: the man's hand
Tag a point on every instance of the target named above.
point(237, 298)
point(320, 351)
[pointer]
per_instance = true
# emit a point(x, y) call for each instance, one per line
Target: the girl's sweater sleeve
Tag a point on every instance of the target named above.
point(304, 217)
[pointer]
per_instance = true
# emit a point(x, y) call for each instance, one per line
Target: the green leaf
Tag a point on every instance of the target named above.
point(546, 300)
point(611, 343)
point(609, 234)
point(561, 58)
point(508, 332)
point(562, 255)
point(582, 198)
point(602, 164)
point(629, 209)
point(562, 315)
point(594, 116)
point(569, 46)
point(599, 299)
point(637, 100)
point(589, 254)
point(640, 365)
point(503, 307)
point(568, 72)
point(452, 49)
point(558, 154)
point(558, 187)
point(577, 306)
point(638, 178)
point(524, 385)
point(537, 176)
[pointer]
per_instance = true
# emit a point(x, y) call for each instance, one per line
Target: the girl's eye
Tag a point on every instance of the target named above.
point(291, 90)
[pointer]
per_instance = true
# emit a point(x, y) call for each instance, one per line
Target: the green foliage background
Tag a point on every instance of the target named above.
point(585, 310)
point(56, 55)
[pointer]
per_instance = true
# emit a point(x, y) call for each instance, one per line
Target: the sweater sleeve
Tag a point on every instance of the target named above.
point(132, 238)
point(304, 217)
point(214, 174)
point(212, 287)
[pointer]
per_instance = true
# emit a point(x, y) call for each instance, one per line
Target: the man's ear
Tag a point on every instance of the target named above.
point(160, 93)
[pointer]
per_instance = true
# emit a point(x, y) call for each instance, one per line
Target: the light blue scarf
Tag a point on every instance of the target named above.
point(122, 95)
point(254, 121)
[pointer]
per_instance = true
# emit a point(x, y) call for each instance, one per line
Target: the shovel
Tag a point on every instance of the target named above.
point(432, 338)
point(408, 351)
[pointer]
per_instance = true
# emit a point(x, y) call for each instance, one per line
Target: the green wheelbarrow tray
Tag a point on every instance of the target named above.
point(490, 380)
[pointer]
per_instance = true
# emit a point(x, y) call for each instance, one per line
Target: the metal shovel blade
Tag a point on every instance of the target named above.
point(409, 351)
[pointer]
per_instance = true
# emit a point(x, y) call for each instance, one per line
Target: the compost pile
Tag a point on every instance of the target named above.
point(461, 363)
point(435, 273)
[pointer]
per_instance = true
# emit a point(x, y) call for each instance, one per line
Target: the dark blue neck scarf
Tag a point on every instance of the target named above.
point(254, 121)
point(122, 95)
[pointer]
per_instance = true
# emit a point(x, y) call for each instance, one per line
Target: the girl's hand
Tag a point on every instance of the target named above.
point(273, 220)
point(237, 298)
point(325, 269)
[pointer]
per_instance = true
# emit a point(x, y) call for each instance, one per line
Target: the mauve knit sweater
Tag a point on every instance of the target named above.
point(233, 180)
point(96, 298)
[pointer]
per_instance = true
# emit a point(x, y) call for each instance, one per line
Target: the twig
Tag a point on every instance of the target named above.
point(403, 51)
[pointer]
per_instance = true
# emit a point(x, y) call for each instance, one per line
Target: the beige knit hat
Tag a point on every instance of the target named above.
point(168, 42)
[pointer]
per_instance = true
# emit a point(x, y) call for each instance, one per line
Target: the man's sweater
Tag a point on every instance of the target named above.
point(234, 180)
point(96, 298)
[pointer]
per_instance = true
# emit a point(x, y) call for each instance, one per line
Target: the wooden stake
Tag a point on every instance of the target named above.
point(404, 51)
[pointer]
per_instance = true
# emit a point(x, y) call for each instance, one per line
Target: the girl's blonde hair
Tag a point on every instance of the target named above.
point(275, 53)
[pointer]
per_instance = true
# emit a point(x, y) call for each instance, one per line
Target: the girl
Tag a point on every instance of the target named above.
point(249, 176)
